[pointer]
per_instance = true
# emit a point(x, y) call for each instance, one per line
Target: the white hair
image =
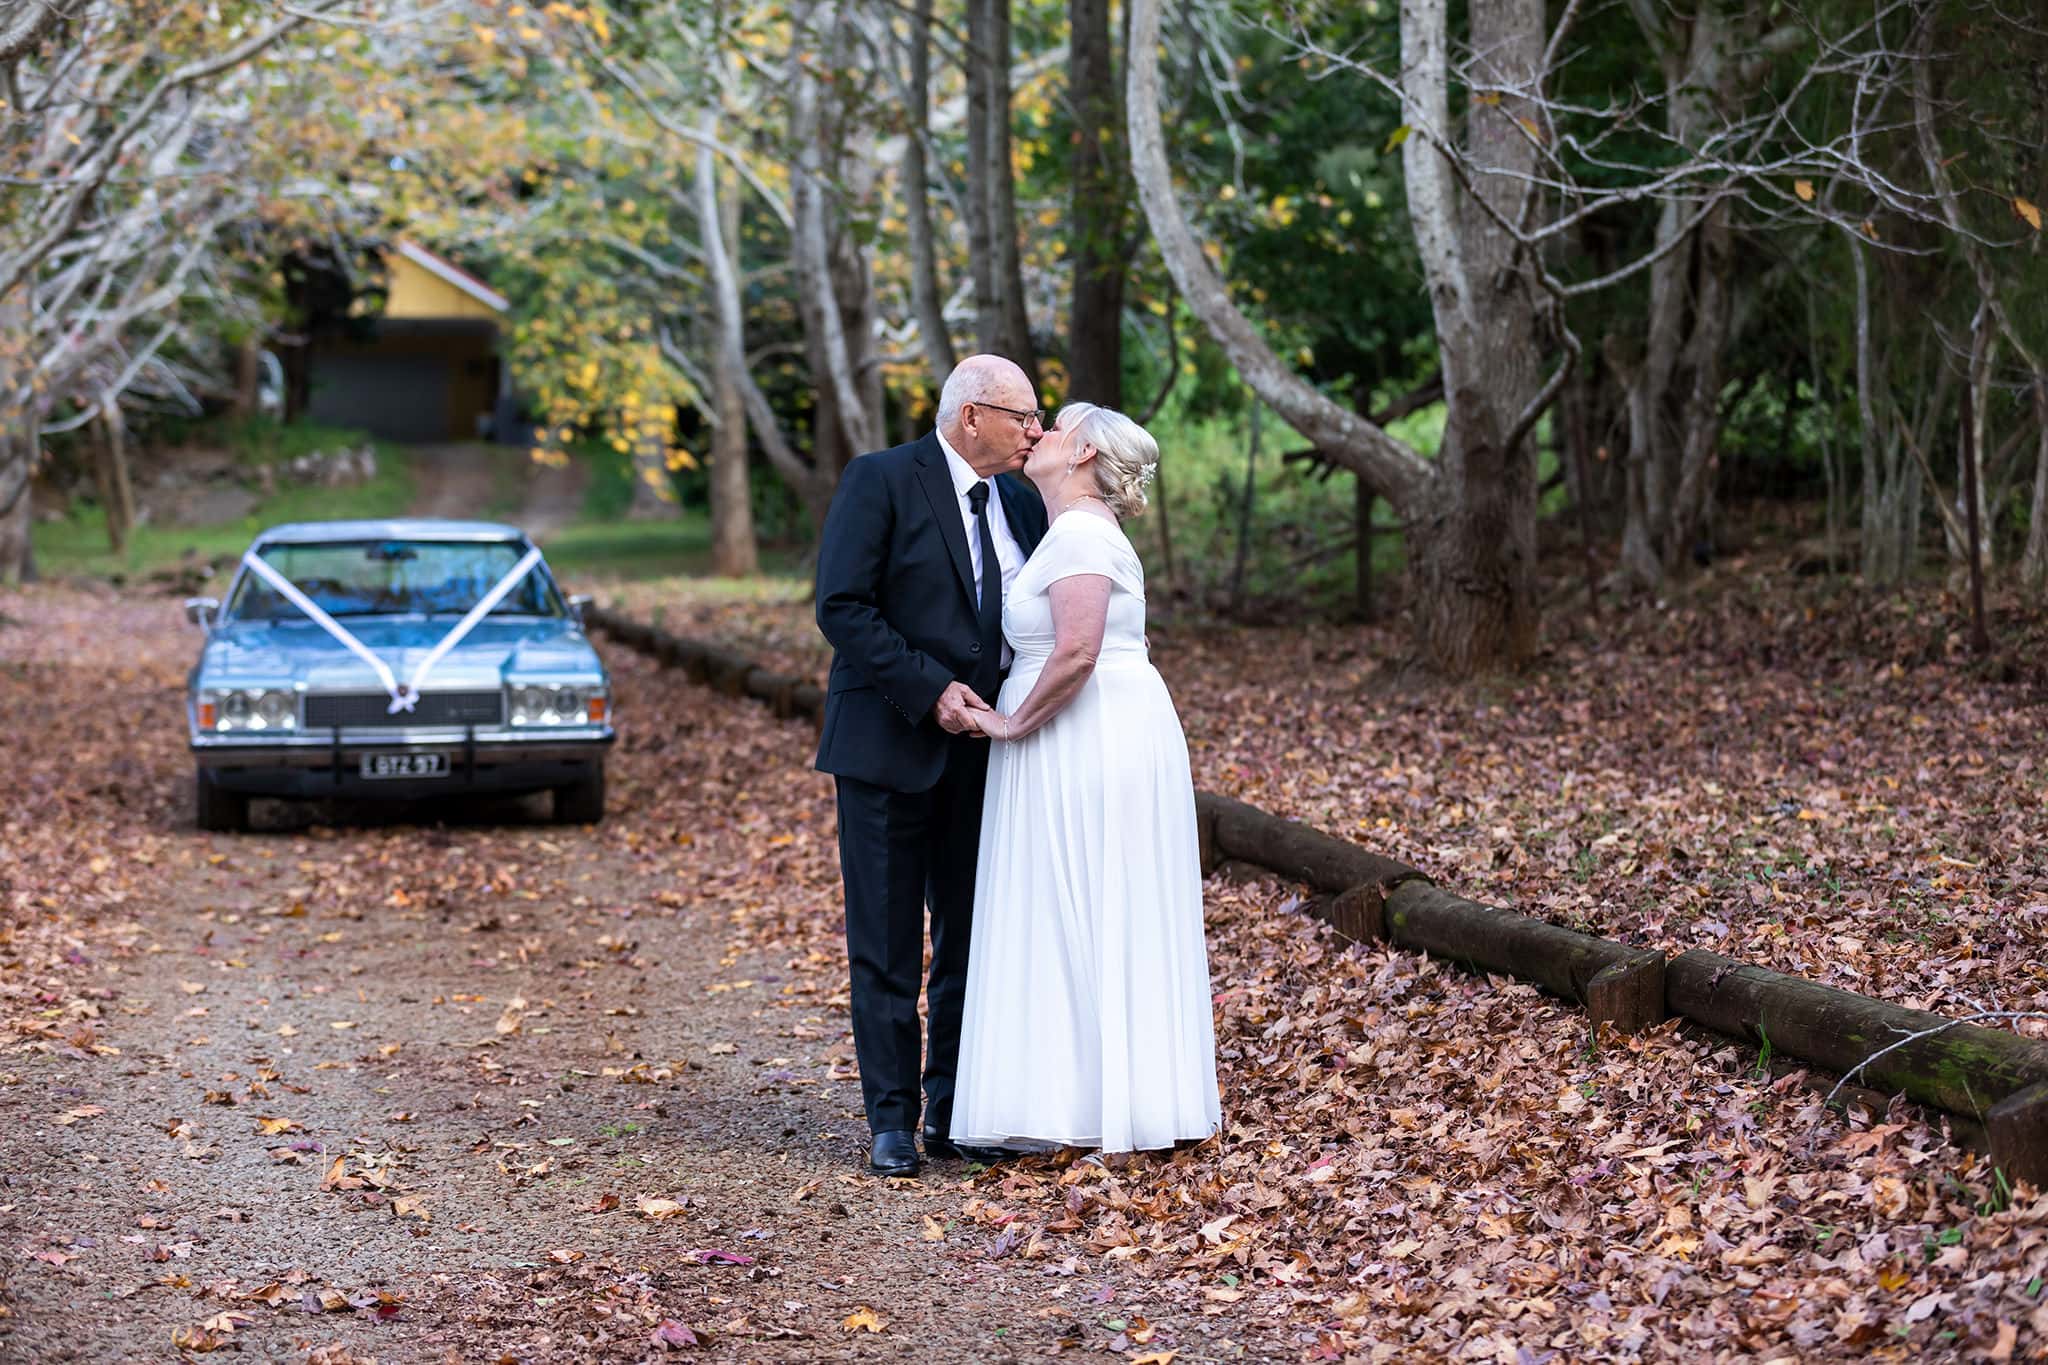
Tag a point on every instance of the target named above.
point(1126, 456)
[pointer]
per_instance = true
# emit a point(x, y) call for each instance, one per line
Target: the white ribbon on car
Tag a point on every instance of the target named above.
point(404, 695)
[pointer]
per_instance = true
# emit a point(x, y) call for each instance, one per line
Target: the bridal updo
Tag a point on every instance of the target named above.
point(1126, 456)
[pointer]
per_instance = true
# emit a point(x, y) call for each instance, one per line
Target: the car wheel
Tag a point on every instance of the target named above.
point(581, 803)
point(217, 808)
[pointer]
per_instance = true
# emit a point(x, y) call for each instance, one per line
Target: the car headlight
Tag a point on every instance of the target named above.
point(248, 708)
point(559, 704)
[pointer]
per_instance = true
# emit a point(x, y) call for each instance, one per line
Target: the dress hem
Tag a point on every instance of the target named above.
point(1031, 1142)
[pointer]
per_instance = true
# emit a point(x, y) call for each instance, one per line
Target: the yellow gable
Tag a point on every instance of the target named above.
point(423, 286)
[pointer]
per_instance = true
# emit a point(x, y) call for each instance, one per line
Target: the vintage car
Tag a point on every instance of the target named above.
point(359, 659)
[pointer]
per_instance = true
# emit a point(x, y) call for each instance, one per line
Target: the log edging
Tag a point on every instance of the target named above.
point(1989, 1076)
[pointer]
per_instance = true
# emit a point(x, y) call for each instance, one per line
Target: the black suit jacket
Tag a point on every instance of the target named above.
point(896, 599)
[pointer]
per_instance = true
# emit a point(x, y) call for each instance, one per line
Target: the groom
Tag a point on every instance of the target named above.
point(918, 548)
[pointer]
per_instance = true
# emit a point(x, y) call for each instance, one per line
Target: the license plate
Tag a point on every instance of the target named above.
point(405, 765)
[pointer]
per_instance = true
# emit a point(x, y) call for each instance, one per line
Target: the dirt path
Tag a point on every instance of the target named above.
point(472, 479)
point(399, 1089)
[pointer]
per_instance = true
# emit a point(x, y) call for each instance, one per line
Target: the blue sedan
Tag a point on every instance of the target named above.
point(403, 659)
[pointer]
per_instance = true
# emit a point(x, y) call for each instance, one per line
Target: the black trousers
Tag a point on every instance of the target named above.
point(899, 853)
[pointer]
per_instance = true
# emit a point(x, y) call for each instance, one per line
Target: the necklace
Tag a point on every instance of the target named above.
point(1087, 497)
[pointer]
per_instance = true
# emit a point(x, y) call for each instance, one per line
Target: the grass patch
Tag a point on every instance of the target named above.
point(77, 544)
point(603, 543)
point(650, 549)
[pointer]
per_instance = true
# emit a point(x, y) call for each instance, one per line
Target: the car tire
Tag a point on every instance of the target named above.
point(581, 803)
point(217, 809)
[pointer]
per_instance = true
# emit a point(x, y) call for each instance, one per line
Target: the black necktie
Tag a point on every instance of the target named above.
point(990, 613)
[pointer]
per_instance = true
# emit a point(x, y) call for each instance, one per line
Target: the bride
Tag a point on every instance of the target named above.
point(1088, 1010)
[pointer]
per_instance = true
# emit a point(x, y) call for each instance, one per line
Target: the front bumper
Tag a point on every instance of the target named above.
point(330, 763)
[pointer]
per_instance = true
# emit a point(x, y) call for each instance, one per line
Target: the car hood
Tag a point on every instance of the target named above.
point(277, 653)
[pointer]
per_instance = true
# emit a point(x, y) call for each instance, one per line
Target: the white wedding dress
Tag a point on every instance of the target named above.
point(1088, 1009)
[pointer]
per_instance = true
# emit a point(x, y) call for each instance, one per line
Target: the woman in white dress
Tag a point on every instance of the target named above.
point(1088, 1009)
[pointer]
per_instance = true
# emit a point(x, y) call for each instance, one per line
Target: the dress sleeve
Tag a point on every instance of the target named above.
point(1089, 545)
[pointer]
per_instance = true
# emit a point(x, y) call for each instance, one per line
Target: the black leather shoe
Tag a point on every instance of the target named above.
point(939, 1147)
point(894, 1153)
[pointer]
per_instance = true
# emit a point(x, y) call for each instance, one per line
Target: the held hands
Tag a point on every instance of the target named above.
point(958, 708)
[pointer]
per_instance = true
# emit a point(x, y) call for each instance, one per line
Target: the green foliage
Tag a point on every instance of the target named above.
point(1294, 514)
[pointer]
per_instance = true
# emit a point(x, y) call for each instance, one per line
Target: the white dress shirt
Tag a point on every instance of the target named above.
point(1009, 554)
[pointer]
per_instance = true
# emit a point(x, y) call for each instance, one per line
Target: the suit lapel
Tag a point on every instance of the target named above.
point(938, 487)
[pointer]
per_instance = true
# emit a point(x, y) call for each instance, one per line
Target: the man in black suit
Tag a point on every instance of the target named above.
point(917, 549)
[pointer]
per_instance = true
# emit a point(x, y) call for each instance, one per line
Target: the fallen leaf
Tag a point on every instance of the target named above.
point(863, 1319)
point(658, 1209)
point(673, 1333)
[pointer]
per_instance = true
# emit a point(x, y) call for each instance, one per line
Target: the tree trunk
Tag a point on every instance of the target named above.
point(1244, 510)
point(981, 173)
point(1099, 207)
point(812, 485)
point(926, 296)
point(1700, 417)
point(1013, 328)
point(1475, 553)
point(735, 552)
point(19, 447)
point(1887, 543)
point(832, 346)
point(1674, 392)
point(248, 374)
point(1363, 499)
point(17, 472)
point(1971, 510)
point(2034, 563)
point(117, 489)
point(1972, 488)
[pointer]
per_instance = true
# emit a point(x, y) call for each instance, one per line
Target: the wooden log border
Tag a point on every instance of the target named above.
point(1991, 1077)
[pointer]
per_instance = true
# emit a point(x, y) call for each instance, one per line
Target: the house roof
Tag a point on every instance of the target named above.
point(453, 274)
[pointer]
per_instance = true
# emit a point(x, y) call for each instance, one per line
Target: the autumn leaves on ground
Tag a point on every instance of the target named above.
point(463, 1085)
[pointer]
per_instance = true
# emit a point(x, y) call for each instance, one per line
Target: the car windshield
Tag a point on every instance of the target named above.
point(394, 578)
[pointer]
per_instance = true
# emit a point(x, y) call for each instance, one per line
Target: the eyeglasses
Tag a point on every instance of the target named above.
point(1027, 417)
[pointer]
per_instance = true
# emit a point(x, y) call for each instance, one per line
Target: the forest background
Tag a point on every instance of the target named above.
point(1412, 292)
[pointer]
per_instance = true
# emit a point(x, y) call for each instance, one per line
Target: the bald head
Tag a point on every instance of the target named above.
point(978, 410)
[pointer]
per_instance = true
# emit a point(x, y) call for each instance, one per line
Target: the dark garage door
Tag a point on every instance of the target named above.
point(397, 397)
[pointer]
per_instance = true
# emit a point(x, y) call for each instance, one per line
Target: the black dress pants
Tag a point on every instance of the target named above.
point(899, 853)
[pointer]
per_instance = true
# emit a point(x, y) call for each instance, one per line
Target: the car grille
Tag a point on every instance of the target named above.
point(435, 708)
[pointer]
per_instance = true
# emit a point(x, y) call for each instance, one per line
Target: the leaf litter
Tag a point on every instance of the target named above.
point(1416, 1162)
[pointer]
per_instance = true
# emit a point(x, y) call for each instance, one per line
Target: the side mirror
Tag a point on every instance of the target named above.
point(202, 611)
point(577, 602)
